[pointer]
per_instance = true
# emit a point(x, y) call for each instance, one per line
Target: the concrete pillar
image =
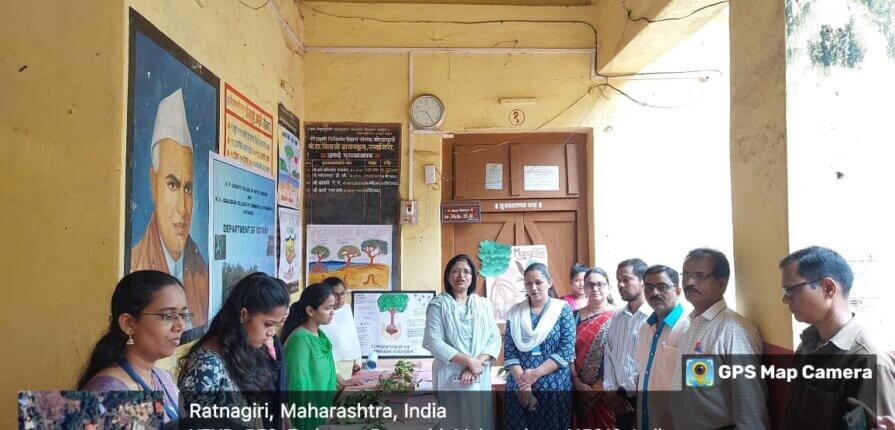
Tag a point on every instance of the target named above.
point(758, 164)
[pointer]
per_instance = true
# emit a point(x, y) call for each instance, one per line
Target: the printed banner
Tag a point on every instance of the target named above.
point(172, 126)
point(508, 287)
point(288, 160)
point(391, 323)
point(290, 240)
point(242, 226)
point(248, 132)
point(357, 254)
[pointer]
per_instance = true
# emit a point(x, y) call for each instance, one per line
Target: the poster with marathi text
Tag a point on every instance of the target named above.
point(248, 132)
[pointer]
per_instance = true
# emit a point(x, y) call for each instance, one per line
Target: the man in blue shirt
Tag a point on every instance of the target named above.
point(657, 353)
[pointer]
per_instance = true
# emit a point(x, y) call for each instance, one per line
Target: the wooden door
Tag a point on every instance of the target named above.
point(516, 213)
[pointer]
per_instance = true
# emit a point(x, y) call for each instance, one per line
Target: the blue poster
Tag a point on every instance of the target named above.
point(243, 226)
point(172, 127)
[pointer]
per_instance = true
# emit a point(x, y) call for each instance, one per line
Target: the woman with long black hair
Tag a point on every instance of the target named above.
point(232, 355)
point(309, 353)
point(148, 315)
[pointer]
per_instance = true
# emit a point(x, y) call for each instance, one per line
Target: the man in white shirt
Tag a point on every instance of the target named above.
point(619, 364)
point(657, 353)
point(716, 330)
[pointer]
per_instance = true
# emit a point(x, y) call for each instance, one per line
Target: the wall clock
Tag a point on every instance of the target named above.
point(426, 112)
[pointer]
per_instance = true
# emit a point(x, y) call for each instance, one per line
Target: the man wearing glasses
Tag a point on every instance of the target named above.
point(716, 330)
point(657, 352)
point(816, 284)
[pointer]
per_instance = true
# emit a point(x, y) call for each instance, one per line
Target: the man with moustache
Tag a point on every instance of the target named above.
point(816, 284)
point(657, 353)
point(619, 364)
point(717, 331)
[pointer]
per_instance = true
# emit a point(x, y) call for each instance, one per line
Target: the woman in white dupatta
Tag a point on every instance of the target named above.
point(539, 346)
point(462, 335)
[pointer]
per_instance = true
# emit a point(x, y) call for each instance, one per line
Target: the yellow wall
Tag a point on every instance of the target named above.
point(66, 115)
point(63, 133)
point(374, 86)
point(758, 163)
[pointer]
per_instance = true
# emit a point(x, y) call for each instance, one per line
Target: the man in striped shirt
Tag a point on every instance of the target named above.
point(619, 365)
point(716, 330)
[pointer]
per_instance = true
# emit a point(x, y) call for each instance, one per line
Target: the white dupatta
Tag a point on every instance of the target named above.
point(519, 319)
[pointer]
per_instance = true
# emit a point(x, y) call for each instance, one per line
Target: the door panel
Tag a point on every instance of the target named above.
point(498, 227)
point(559, 231)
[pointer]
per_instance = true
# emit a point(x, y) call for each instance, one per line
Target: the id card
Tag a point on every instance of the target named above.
point(855, 419)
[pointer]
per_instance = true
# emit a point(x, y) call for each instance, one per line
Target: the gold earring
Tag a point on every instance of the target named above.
point(130, 340)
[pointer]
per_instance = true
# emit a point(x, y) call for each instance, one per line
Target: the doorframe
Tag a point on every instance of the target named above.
point(447, 188)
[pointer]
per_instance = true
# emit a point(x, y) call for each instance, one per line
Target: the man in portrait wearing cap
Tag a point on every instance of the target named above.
point(166, 245)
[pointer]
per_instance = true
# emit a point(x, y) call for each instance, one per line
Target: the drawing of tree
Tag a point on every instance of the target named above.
point(392, 303)
point(320, 252)
point(374, 248)
point(347, 253)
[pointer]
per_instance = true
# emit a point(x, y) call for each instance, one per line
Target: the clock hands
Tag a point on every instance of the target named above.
point(430, 117)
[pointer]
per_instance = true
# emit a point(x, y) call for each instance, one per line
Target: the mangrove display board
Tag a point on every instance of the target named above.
point(391, 323)
point(351, 177)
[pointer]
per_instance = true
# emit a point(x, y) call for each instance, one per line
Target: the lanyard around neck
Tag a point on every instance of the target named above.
point(170, 411)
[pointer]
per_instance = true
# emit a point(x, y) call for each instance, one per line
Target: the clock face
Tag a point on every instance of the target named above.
point(426, 111)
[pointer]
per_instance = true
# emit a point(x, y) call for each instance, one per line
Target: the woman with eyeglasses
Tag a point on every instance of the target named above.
point(149, 313)
point(590, 342)
point(462, 335)
point(539, 348)
point(342, 332)
point(232, 355)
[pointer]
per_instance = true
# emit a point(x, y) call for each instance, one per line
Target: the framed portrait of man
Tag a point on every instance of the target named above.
point(172, 114)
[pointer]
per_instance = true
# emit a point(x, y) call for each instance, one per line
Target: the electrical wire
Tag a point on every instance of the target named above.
point(606, 84)
point(593, 29)
point(629, 13)
point(254, 7)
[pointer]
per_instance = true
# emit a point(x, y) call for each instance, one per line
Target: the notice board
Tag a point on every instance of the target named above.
point(352, 172)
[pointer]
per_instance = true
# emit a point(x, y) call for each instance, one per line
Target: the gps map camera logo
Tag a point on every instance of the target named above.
point(700, 372)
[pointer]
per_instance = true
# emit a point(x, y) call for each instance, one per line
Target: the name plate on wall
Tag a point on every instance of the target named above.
point(461, 212)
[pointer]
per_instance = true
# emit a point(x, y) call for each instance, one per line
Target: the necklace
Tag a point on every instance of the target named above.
point(584, 316)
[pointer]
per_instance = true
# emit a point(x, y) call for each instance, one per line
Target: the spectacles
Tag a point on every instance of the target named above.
point(170, 317)
point(660, 288)
point(790, 291)
point(600, 284)
point(696, 276)
point(463, 272)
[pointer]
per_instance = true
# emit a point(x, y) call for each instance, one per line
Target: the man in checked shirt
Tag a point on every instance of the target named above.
point(717, 331)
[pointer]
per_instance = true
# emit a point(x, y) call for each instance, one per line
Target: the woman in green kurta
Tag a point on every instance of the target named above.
point(309, 353)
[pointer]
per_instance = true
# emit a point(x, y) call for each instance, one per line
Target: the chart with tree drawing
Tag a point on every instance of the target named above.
point(358, 254)
point(392, 323)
